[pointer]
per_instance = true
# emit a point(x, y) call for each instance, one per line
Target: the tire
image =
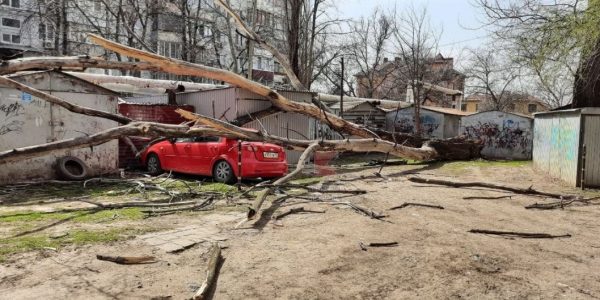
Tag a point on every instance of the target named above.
point(72, 168)
point(153, 164)
point(223, 172)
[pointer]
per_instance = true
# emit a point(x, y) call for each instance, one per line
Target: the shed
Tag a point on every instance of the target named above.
point(232, 103)
point(566, 144)
point(28, 121)
point(504, 135)
point(364, 113)
point(436, 122)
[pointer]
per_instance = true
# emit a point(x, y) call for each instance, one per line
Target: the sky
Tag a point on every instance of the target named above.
point(457, 18)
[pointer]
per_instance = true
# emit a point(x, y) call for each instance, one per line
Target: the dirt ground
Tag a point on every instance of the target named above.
point(317, 256)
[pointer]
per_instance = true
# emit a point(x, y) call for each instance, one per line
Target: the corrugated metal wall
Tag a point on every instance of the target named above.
point(556, 145)
point(287, 125)
point(223, 100)
point(591, 139)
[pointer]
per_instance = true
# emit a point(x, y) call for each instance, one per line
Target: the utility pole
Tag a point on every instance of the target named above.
point(342, 90)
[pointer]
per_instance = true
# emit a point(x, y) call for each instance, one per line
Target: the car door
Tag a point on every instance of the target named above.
point(180, 155)
point(205, 150)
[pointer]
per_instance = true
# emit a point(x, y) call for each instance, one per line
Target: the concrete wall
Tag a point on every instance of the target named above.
point(556, 145)
point(504, 135)
point(28, 121)
point(432, 123)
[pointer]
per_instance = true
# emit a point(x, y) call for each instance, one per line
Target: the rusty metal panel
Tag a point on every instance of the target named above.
point(504, 135)
point(556, 145)
point(286, 125)
point(591, 140)
point(213, 103)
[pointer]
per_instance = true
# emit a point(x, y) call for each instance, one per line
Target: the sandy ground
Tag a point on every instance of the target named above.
point(317, 256)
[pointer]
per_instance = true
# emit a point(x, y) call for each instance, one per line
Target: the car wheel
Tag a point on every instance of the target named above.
point(153, 164)
point(223, 172)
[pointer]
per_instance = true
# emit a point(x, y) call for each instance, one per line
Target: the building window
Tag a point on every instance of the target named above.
point(169, 49)
point(12, 3)
point(463, 107)
point(476, 107)
point(45, 33)
point(11, 38)
point(532, 108)
point(259, 65)
point(14, 23)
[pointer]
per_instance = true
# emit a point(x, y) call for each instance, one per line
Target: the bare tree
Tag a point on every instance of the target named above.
point(370, 39)
point(552, 37)
point(416, 44)
point(490, 76)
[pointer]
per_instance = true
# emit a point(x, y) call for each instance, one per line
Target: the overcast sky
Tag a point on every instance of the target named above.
point(456, 17)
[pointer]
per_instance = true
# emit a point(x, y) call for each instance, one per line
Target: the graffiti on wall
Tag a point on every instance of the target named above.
point(508, 135)
point(10, 113)
point(406, 124)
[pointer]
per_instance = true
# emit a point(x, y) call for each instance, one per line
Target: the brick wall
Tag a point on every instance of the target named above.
point(144, 112)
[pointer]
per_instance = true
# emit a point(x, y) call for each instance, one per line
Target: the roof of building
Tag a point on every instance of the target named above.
point(503, 112)
point(478, 97)
point(82, 81)
point(442, 110)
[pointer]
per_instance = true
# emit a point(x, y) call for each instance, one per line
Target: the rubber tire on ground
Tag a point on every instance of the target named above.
point(153, 171)
point(71, 168)
point(229, 177)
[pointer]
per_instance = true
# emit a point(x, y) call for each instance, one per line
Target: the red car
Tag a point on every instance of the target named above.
point(216, 157)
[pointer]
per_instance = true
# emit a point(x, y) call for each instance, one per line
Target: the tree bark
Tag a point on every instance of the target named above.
point(71, 62)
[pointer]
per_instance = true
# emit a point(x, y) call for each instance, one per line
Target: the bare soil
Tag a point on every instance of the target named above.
point(317, 256)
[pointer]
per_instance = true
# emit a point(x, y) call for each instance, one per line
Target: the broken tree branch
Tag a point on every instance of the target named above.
point(60, 102)
point(520, 234)
point(364, 246)
point(516, 190)
point(297, 210)
point(180, 67)
point(416, 204)
point(299, 167)
point(132, 129)
point(127, 260)
point(561, 204)
point(487, 198)
point(211, 272)
point(249, 33)
point(71, 62)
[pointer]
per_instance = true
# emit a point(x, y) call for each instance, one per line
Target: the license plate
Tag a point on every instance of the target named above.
point(270, 155)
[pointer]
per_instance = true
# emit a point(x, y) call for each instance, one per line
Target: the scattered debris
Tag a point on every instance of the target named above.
point(561, 204)
point(520, 234)
point(405, 204)
point(516, 190)
point(364, 246)
point(211, 272)
point(127, 260)
point(296, 211)
point(488, 198)
point(361, 210)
